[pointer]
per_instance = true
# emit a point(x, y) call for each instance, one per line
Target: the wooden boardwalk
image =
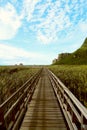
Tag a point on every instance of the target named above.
point(43, 111)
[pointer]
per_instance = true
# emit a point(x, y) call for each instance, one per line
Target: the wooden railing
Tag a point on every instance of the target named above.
point(14, 108)
point(75, 113)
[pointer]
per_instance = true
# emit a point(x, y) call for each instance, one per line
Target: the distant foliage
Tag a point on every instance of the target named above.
point(79, 57)
point(75, 78)
point(13, 77)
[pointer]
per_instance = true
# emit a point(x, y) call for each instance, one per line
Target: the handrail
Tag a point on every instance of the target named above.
point(75, 113)
point(13, 109)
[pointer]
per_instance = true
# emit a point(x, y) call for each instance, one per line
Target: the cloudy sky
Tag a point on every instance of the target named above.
point(36, 31)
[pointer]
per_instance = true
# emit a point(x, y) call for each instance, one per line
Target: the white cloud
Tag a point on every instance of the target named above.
point(10, 22)
point(14, 55)
point(44, 38)
point(28, 8)
point(83, 27)
point(48, 19)
point(10, 52)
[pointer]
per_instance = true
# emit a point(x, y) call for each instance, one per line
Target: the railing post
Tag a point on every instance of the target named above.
point(83, 123)
point(75, 113)
point(63, 93)
point(2, 121)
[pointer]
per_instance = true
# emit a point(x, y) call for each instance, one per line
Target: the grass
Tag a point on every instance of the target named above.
point(79, 57)
point(75, 78)
point(13, 77)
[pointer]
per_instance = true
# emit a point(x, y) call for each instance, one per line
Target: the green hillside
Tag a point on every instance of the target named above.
point(77, 57)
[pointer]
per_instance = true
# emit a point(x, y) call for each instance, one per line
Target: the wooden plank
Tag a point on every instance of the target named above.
point(42, 128)
point(43, 112)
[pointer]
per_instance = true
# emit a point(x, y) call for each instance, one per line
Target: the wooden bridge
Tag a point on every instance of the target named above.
point(43, 103)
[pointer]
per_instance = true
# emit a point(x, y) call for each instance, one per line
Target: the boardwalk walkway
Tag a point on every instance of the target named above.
point(43, 111)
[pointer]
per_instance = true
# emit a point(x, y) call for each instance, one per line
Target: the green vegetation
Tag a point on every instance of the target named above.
point(13, 77)
point(79, 57)
point(75, 78)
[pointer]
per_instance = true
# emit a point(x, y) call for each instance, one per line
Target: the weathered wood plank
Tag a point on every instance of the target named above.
point(43, 112)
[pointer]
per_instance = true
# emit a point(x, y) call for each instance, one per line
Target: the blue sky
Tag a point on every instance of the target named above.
point(36, 31)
